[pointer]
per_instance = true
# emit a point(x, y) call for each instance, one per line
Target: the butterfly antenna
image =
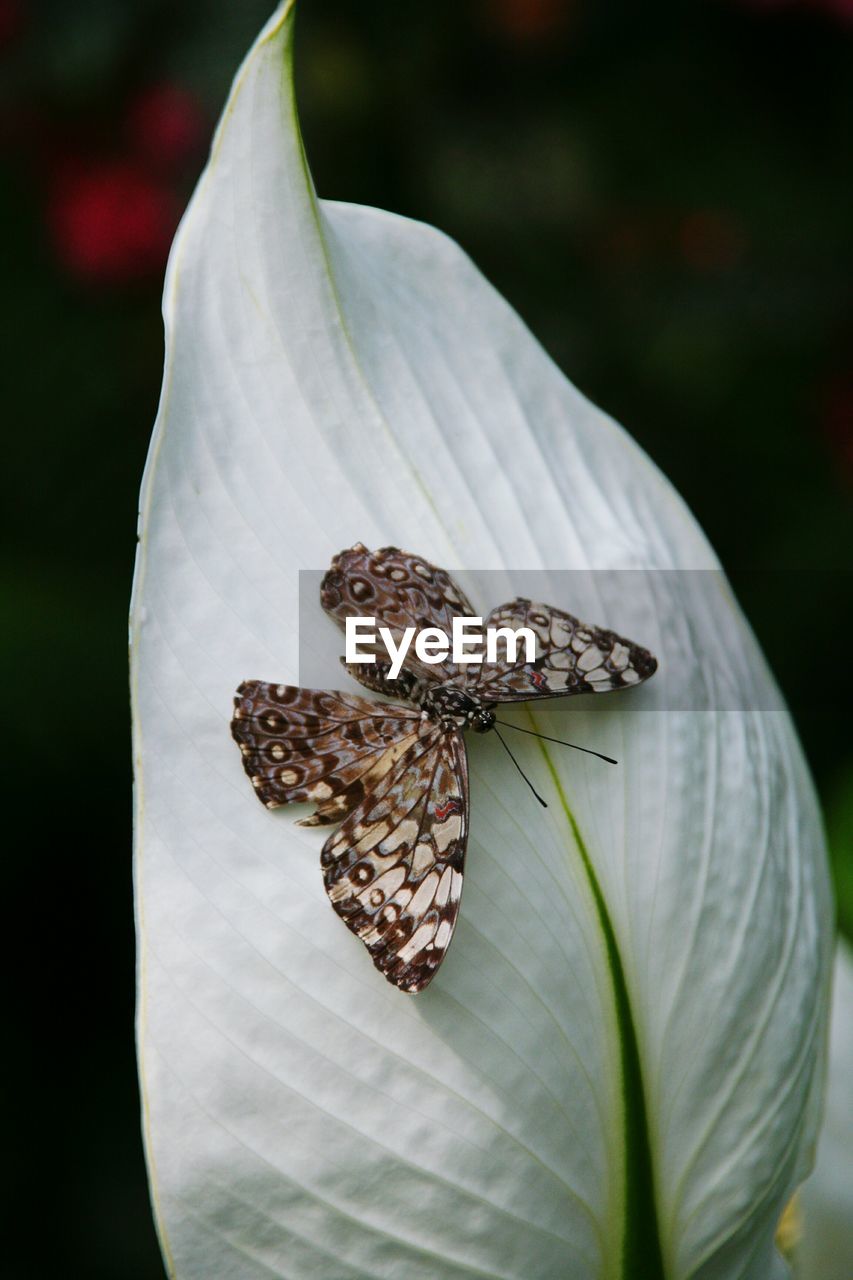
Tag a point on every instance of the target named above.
point(521, 771)
point(559, 741)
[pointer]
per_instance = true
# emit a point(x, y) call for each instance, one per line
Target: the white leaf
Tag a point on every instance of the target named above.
point(826, 1200)
point(336, 374)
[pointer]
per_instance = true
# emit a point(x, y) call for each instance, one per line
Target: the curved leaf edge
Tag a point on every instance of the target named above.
point(280, 22)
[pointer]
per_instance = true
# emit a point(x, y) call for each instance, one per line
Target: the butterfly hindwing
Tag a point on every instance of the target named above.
point(398, 590)
point(311, 745)
point(571, 657)
point(394, 869)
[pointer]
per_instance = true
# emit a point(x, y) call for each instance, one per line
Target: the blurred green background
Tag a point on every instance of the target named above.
point(663, 191)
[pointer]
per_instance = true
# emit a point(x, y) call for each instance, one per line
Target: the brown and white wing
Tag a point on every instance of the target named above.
point(571, 657)
point(399, 590)
point(394, 869)
point(310, 745)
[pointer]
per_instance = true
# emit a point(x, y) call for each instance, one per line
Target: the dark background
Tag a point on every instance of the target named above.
point(664, 191)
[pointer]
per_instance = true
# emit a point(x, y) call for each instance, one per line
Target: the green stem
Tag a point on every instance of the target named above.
point(641, 1251)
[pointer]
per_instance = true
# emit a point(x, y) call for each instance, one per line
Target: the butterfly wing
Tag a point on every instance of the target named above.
point(399, 590)
point(394, 869)
point(309, 745)
point(571, 657)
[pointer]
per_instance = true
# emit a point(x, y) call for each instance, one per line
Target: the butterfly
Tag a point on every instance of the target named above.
point(393, 776)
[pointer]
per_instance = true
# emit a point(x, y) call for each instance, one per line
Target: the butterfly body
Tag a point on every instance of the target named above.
point(453, 708)
point(393, 776)
point(447, 704)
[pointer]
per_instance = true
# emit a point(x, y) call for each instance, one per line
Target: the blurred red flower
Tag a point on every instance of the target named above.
point(11, 21)
point(166, 125)
point(767, 4)
point(530, 20)
point(111, 222)
point(837, 422)
point(838, 8)
point(711, 240)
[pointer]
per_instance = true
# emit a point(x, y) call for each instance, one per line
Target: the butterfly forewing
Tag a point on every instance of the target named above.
point(399, 590)
point(571, 657)
point(310, 745)
point(394, 869)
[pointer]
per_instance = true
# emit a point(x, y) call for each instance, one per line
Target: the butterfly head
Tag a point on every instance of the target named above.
point(482, 720)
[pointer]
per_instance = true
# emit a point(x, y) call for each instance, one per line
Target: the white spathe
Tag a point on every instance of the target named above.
point(336, 374)
point(826, 1200)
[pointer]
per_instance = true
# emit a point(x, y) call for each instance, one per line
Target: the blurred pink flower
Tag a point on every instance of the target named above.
point(111, 222)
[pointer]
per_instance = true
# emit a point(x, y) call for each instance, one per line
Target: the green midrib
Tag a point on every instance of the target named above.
point(641, 1251)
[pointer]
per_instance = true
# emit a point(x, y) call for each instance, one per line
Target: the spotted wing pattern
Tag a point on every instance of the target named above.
point(395, 779)
point(399, 590)
point(571, 657)
point(308, 745)
point(394, 869)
